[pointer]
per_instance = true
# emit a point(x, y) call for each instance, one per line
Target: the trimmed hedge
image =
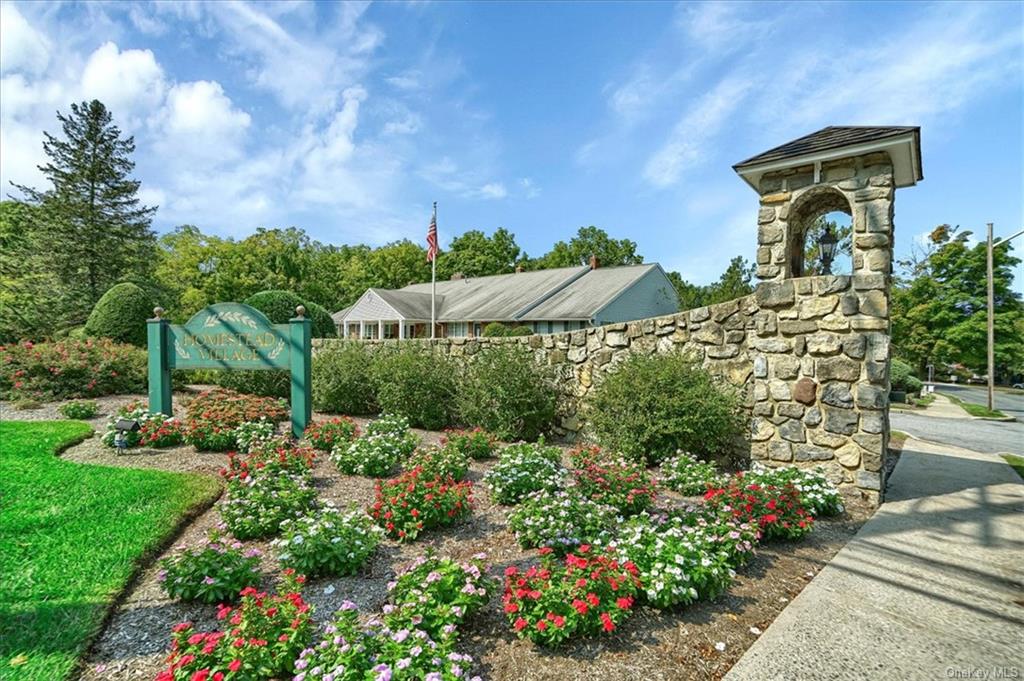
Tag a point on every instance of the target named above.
point(341, 380)
point(656, 405)
point(121, 314)
point(415, 384)
point(901, 377)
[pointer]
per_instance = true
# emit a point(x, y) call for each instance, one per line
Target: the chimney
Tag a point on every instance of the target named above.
point(593, 261)
point(457, 276)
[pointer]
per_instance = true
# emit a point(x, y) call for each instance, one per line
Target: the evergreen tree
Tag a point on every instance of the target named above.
point(96, 231)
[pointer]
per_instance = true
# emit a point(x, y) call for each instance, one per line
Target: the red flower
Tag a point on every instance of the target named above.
point(580, 606)
point(606, 620)
point(624, 603)
point(511, 607)
point(235, 665)
point(542, 625)
point(520, 624)
point(593, 599)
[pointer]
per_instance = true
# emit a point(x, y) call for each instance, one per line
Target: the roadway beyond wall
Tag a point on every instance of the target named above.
point(810, 356)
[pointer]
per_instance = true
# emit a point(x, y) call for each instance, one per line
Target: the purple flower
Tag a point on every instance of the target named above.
point(209, 580)
point(383, 672)
point(400, 636)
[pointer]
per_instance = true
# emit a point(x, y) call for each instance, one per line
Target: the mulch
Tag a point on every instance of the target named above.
point(685, 643)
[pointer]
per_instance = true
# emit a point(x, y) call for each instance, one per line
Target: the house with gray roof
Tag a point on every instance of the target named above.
point(546, 301)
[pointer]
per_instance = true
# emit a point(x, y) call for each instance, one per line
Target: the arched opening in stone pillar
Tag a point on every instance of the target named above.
point(810, 214)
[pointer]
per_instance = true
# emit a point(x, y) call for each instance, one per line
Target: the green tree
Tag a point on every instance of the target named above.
point(474, 254)
point(939, 306)
point(30, 297)
point(587, 242)
point(735, 282)
point(812, 252)
point(399, 264)
point(96, 230)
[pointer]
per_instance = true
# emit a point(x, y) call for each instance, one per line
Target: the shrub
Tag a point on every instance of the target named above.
point(494, 330)
point(326, 435)
point(412, 503)
point(323, 325)
point(817, 494)
point(208, 435)
point(654, 405)
point(623, 485)
point(328, 542)
point(25, 403)
point(120, 315)
point(267, 634)
point(689, 476)
point(232, 409)
point(677, 563)
point(737, 537)
point(901, 377)
point(374, 456)
point(255, 506)
point(79, 409)
point(253, 434)
point(214, 572)
point(524, 468)
point(776, 510)
point(437, 594)
point(278, 305)
point(476, 443)
point(70, 369)
point(264, 383)
point(416, 384)
point(504, 392)
point(561, 520)
point(585, 594)
point(520, 330)
point(391, 424)
point(341, 380)
point(158, 431)
point(271, 459)
point(136, 410)
point(440, 462)
point(358, 649)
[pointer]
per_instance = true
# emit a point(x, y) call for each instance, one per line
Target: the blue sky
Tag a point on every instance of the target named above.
point(348, 119)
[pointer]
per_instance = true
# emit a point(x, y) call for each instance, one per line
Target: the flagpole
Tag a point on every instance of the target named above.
point(433, 286)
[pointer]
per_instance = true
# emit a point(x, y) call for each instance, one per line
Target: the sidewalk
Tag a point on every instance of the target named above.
point(930, 588)
point(944, 407)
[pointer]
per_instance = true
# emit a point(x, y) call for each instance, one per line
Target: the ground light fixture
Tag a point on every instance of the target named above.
point(827, 248)
point(123, 427)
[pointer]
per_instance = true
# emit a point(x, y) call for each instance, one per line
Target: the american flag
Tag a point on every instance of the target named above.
point(432, 237)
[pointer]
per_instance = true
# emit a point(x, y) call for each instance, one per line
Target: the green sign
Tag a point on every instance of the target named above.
point(232, 337)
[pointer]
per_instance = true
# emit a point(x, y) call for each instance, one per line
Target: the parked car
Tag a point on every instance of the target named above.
point(1018, 386)
point(977, 380)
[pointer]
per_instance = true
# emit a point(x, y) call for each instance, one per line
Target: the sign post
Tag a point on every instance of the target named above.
point(232, 337)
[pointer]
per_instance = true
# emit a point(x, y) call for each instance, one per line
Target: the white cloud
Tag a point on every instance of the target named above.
point(22, 47)
point(408, 124)
point(686, 146)
point(200, 122)
point(492, 190)
point(129, 83)
point(726, 26)
point(529, 187)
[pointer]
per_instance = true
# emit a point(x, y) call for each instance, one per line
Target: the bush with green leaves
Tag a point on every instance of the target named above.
point(436, 594)
point(79, 409)
point(374, 456)
point(136, 410)
point(612, 480)
point(71, 368)
point(504, 391)
point(328, 542)
point(561, 520)
point(326, 435)
point(214, 572)
point(323, 325)
point(819, 496)
point(655, 405)
point(688, 475)
point(256, 505)
point(442, 462)
point(523, 468)
point(476, 443)
point(391, 424)
point(494, 330)
point(416, 384)
point(521, 330)
point(901, 377)
point(341, 380)
point(120, 315)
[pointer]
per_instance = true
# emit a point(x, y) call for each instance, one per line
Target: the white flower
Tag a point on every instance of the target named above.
point(720, 646)
point(755, 631)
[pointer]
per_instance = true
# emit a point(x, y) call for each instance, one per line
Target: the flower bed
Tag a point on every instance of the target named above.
point(71, 368)
point(374, 456)
point(255, 506)
point(561, 519)
point(272, 459)
point(266, 635)
point(476, 443)
point(524, 468)
point(214, 572)
point(328, 542)
point(586, 593)
point(413, 502)
point(254, 434)
point(326, 435)
point(79, 409)
point(616, 482)
point(441, 462)
point(213, 417)
point(688, 475)
point(777, 510)
point(817, 494)
point(437, 594)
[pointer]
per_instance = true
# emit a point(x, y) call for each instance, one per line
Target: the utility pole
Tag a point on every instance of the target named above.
point(992, 312)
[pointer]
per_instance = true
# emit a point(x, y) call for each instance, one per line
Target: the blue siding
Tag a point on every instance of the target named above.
point(651, 296)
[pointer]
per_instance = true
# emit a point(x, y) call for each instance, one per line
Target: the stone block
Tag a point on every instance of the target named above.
point(761, 430)
point(870, 442)
point(723, 351)
point(874, 303)
point(577, 353)
point(823, 439)
point(848, 455)
point(871, 397)
point(793, 430)
point(780, 451)
point(805, 391)
point(766, 409)
point(828, 284)
point(791, 327)
point(778, 197)
point(875, 371)
point(765, 214)
point(764, 255)
point(838, 369)
point(849, 304)
point(616, 339)
point(855, 346)
point(834, 322)
point(871, 194)
point(867, 282)
point(709, 332)
point(840, 421)
point(818, 307)
point(557, 356)
point(723, 311)
point(812, 417)
point(760, 366)
point(775, 293)
point(871, 240)
point(812, 453)
point(871, 421)
point(700, 314)
point(735, 336)
point(760, 391)
point(837, 395)
point(869, 324)
point(769, 233)
point(602, 357)
point(824, 344)
point(790, 410)
point(779, 390)
point(800, 346)
point(773, 345)
point(786, 367)
point(868, 480)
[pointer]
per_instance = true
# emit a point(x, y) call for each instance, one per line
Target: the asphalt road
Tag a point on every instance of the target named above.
point(1011, 404)
point(982, 436)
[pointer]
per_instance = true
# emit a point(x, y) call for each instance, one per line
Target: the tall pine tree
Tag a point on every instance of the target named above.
point(96, 230)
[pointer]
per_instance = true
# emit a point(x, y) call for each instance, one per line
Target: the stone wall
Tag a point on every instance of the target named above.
point(810, 356)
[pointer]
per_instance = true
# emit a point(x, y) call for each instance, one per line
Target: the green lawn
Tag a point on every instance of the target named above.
point(71, 537)
point(975, 409)
point(1017, 462)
